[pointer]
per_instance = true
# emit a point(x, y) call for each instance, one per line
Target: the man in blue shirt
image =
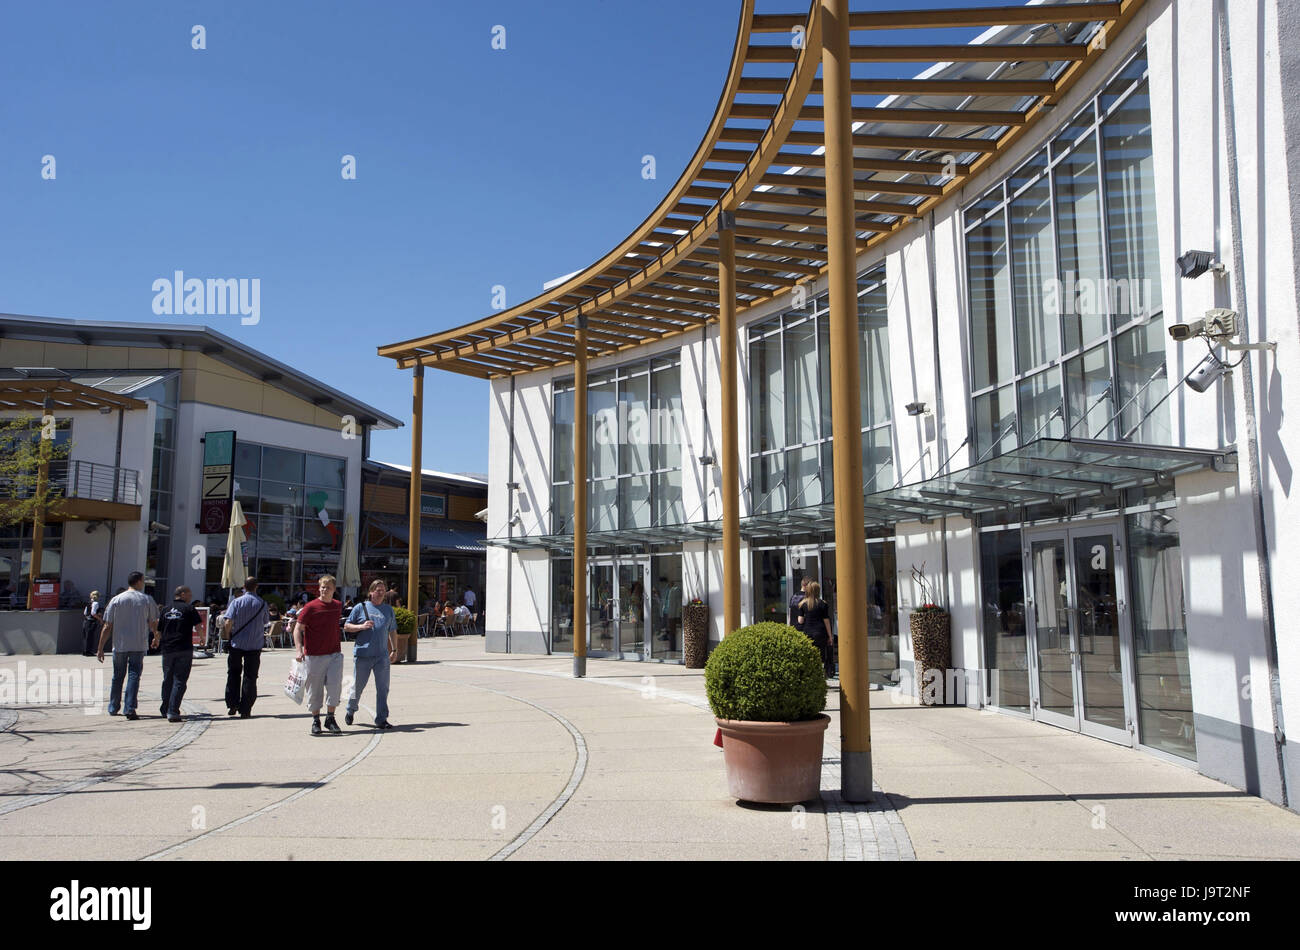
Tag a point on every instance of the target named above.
point(374, 624)
point(247, 616)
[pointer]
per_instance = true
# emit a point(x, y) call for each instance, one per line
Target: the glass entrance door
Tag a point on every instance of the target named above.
point(617, 608)
point(1082, 678)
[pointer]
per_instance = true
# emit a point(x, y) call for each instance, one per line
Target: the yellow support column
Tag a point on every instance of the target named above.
point(730, 449)
point(580, 498)
point(413, 521)
point(846, 428)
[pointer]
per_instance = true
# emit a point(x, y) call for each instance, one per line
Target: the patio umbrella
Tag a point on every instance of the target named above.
point(232, 567)
point(349, 573)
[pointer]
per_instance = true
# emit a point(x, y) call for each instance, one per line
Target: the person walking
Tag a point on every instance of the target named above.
point(246, 616)
point(132, 615)
point(176, 631)
point(92, 618)
point(316, 636)
point(815, 620)
point(373, 622)
point(795, 620)
point(471, 602)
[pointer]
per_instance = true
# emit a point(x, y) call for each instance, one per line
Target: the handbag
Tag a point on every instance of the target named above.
point(297, 681)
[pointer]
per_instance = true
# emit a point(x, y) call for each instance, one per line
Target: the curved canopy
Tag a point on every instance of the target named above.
point(916, 140)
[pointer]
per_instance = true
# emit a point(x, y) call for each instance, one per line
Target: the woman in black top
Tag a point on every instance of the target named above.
point(815, 617)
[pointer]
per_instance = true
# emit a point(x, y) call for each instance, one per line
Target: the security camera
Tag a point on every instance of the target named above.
point(1206, 373)
point(158, 527)
point(1181, 332)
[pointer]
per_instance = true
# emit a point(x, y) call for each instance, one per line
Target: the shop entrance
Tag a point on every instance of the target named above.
point(617, 598)
point(1080, 673)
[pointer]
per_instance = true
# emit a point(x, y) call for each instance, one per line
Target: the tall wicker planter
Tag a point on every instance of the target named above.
point(695, 635)
point(932, 647)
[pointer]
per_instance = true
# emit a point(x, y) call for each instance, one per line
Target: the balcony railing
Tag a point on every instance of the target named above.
point(90, 480)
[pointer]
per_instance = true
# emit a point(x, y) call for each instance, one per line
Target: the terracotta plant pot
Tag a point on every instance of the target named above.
point(932, 648)
point(776, 763)
point(400, 640)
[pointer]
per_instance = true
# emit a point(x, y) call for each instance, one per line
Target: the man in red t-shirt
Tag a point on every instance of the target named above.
point(316, 636)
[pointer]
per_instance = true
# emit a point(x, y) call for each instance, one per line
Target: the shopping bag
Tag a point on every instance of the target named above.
point(297, 681)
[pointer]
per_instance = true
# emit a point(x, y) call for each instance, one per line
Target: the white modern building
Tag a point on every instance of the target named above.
point(134, 403)
point(1106, 511)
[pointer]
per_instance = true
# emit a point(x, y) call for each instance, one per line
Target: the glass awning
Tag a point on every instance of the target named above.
point(1048, 471)
point(1045, 471)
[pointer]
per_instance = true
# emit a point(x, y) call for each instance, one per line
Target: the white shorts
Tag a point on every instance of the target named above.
point(327, 672)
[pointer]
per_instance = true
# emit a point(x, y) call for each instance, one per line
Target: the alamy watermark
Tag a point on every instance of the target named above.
point(62, 686)
point(633, 425)
point(1092, 296)
point(215, 296)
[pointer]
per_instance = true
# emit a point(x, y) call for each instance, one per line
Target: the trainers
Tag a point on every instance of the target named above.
point(347, 717)
point(384, 725)
point(315, 726)
point(333, 726)
point(162, 710)
point(132, 715)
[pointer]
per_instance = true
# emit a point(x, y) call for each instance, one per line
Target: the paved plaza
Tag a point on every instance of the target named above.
point(508, 757)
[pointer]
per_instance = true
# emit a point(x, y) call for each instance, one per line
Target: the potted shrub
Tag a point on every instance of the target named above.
point(931, 641)
point(767, 689)
point(405, 627)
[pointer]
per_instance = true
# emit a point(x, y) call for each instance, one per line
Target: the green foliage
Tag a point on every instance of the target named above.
point(768, 672)
point(276, 601)
point(405, 621)
point(22, 492)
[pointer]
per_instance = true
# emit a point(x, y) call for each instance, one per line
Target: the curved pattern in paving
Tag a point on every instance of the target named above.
point(194, 727)
point(579, 770)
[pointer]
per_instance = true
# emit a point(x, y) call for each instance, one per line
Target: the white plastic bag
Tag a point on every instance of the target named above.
point(297, 681)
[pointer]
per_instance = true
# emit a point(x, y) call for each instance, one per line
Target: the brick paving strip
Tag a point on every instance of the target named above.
point(194, 727)
point(319, 783)
point(579, 769)
point(871, 831)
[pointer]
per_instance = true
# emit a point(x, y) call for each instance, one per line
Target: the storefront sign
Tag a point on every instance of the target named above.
point(435, 505)
point(218, 482)
point(45, 595)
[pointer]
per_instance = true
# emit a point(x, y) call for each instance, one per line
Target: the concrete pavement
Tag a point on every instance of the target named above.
point(508, 757)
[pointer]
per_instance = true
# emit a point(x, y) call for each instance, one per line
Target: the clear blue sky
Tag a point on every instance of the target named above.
point(475, 166)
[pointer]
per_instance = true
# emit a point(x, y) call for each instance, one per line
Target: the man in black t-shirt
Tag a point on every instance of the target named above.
point(176, 631)
point(795, 620)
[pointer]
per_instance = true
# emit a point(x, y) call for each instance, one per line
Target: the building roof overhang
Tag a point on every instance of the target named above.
point(917, 141)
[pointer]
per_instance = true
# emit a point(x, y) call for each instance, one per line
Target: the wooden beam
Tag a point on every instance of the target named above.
point(761, 85)
point(966, 53)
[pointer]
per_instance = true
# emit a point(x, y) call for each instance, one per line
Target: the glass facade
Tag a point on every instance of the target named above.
point(1065, 295)
point(634, 451)
point(790, 402)
point(161, 489)
point(295, 504)
point(1163, 677)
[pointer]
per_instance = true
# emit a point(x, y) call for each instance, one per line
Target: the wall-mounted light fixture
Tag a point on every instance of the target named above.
point(1195, 263)
point(708, 460)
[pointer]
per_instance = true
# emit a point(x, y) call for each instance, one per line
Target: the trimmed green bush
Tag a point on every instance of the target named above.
point(405, 620)
point(768, 672)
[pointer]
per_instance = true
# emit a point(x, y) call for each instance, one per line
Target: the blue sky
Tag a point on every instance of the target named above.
point(475, 167)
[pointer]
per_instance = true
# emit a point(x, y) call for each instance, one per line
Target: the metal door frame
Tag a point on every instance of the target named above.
point(1067, 533)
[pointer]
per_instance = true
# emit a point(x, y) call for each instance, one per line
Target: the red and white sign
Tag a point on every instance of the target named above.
point(200, 634)
point(45, 595)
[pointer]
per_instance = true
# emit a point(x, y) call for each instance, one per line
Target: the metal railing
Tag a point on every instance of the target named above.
point(80, 479)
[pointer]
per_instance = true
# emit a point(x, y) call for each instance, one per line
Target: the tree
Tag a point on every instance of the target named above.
point(27, 448)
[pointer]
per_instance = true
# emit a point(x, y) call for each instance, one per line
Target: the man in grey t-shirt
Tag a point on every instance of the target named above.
point(130, 617)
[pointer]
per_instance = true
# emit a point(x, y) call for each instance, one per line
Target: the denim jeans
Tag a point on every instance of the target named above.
point(127, 665)
point(176, 676)
point(365, 665)
point(241, 690)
